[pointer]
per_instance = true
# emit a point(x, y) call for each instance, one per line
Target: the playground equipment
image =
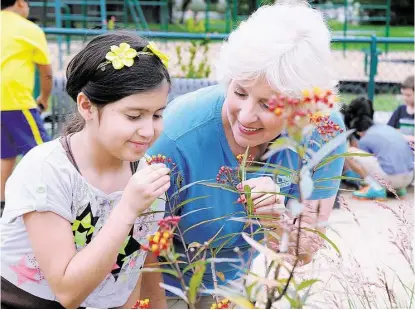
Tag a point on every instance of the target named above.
point(354, 12)
point(97, 14)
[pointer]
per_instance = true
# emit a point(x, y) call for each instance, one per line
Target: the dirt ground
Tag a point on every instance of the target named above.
point(367, 251)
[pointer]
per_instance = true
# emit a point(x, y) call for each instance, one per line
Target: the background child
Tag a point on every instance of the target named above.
point(73, 224)
point(392, 158)
point(403, 117)
point(23, 45)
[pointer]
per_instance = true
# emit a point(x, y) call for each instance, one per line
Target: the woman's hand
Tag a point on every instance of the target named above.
point(144, 187)
point(265, 197)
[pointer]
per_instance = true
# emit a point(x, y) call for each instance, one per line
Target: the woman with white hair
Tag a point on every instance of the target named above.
point(281, 49)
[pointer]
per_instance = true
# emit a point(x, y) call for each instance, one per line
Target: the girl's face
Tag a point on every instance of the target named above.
point(247, 113)
point(128, 127)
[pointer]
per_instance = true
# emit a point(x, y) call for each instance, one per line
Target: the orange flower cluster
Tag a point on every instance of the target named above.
point(161, 241)
point(325, 127)
point(161, 159)
point(295, 110)
point(142, 304)
point(224, 304)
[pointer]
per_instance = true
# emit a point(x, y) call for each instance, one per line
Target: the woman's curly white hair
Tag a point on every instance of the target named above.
point(287, 43)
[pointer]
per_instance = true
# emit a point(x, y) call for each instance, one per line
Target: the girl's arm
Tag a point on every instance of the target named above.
point(73, 276)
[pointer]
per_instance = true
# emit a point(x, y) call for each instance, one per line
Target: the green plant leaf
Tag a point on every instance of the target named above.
point(188, 201)
point(209, 221)
point(195, 282)
point(175, 290)
point(279, 145)
point(249, 202)
point(324, 237)
point(327, 148)
point(329, 159)
point(194, 211)
point(221, 186)
point(307, 283)
point(187, 186)
point(162, 270)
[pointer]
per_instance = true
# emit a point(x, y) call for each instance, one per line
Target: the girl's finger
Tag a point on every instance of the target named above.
point(160, 183)
point(162, 190)
point(241, 186)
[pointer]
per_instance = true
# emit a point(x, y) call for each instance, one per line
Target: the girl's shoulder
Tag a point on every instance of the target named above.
point(48, 154)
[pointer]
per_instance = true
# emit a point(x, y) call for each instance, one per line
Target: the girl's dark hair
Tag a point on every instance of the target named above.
point(358, 114)
point(104, 87)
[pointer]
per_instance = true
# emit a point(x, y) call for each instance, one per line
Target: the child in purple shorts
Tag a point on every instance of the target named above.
point(22, 47)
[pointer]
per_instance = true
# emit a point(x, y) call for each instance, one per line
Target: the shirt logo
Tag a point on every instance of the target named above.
point(282, 181)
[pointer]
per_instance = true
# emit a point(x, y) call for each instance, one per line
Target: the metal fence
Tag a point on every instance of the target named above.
point(367, 70)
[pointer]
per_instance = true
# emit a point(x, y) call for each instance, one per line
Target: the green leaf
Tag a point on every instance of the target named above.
point(329, 159)
point(214, 237)
point(294, 304)
point(327, 148)
point(221, 186)
point(263, 249)
point(188, 201)
point(307, 283)
point(191, 266)
point(274, 171)
point(250, 287)
point(222, 245)
point(195, 282)
point(274, 166)
point(162, 270)
point(243, 165)
point(187, 186)
point(175, 290)
point(279, 145)
point(212, 220)
point(249, 202)
point(194, 211)
point(324, 237)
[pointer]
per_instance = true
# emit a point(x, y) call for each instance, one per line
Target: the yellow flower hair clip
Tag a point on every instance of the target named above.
point(119, 56)
point(124, 55)
point(163, 57)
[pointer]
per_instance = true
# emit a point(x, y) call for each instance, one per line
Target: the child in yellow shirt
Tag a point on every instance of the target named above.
point(23, 45)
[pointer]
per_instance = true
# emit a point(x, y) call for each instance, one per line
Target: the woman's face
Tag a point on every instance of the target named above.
point(128, 127)
point(247, 113)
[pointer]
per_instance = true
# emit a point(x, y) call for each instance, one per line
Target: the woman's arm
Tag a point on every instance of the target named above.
point(73, 276)
point(148, 287)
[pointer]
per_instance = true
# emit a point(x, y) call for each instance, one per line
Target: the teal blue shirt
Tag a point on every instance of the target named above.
point(194, 138)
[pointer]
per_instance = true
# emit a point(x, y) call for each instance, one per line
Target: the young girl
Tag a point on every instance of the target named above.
point(79, 207)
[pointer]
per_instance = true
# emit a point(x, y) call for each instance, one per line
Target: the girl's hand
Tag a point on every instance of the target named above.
point(264, 194)
point(144, 187)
